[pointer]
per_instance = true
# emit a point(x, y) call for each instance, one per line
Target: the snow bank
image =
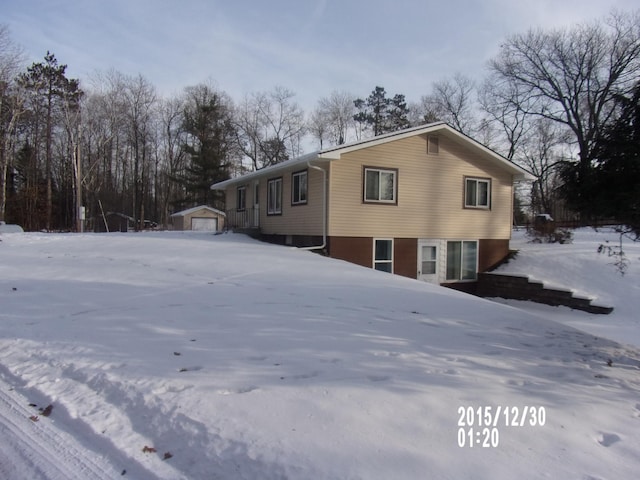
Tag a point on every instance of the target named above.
point(10, 228)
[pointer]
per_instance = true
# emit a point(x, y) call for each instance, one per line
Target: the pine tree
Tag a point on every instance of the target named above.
point(617, 171)
point(207, 120)
point(397, 113)
point(382, 114)
point(52, 90)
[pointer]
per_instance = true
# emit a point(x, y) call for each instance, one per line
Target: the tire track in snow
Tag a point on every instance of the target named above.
point(42, 451)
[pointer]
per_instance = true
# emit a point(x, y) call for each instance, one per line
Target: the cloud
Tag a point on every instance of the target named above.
point(310, 47)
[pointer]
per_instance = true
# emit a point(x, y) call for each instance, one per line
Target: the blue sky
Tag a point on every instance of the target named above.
point(309, 46)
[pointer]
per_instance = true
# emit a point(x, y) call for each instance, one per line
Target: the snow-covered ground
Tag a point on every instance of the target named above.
point(579, 267)
point(191, 356)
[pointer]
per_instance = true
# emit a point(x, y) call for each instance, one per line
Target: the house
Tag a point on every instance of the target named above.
point(201, 218)
point(427, 203)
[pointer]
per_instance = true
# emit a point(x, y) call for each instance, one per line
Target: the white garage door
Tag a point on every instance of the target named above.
point(204, 224)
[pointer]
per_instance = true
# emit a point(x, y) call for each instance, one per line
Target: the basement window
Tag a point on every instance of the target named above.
point(462, 260)
point(383, 254)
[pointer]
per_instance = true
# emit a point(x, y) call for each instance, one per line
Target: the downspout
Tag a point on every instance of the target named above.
point(324, 210)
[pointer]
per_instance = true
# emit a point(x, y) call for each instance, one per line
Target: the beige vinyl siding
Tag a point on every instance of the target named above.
point(430, 193)
point(183, 222)
point(304, 219)
point(230, 198)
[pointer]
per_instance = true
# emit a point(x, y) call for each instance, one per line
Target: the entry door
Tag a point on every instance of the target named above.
point(256, 204)
point(428, 254)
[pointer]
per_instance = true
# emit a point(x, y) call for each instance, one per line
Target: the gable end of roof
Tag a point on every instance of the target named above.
point(336, 152)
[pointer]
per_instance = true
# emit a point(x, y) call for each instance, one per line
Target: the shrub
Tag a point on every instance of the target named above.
point(550, 234)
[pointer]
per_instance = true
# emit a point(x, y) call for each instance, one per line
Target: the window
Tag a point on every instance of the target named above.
point(433, 145)
point(380, 185)
point(299, 188)
point(241, 199)
point(429, 257)
point(462, 260)
point(274, 196)
point(477, 193)
point(383, 255)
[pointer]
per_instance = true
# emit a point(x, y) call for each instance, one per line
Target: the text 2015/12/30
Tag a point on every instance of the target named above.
point(479, 426)
point(489, 416)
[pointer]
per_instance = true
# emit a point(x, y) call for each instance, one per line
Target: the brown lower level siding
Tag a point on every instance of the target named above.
point(405, 257)
point(359, 250)
point(491, 252)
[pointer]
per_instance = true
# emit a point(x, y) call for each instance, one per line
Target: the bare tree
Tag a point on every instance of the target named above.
point(504, 105)
point(140, 101)
point(270, 127)
point(318, 126)
point(172, 156)
point(570, 76)
point(105, 144)
point(338, 110)
point(11, 106)
point(541, 152)
point(452, 101)
point(72, 119)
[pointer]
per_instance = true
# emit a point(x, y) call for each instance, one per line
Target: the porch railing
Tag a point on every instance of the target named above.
point(239, 219)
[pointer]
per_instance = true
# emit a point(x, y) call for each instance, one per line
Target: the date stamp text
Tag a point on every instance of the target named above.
point(480, 426)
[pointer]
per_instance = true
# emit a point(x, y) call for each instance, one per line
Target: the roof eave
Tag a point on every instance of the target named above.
point(266, 171)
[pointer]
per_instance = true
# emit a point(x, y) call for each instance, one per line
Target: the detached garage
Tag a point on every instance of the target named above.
point(202, 218)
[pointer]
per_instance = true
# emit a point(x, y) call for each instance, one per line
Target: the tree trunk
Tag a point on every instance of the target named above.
point(49, 199)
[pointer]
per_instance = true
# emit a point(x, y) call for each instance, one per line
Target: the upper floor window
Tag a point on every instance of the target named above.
point(299, 188)
point(241, 199)
point(380, 185)
point(274, 196)
point(477, 193)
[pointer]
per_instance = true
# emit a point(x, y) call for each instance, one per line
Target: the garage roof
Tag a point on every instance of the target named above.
point(195, 209)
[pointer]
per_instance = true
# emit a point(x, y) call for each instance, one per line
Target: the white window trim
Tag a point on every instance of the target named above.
point(374, 261)
point(276, 208)
point(478, 181)
point(380, 170)
point(441, 258)
point(296, 177)
point(421, 260)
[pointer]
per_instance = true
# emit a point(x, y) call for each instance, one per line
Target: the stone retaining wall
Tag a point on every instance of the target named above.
point(521, 288)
